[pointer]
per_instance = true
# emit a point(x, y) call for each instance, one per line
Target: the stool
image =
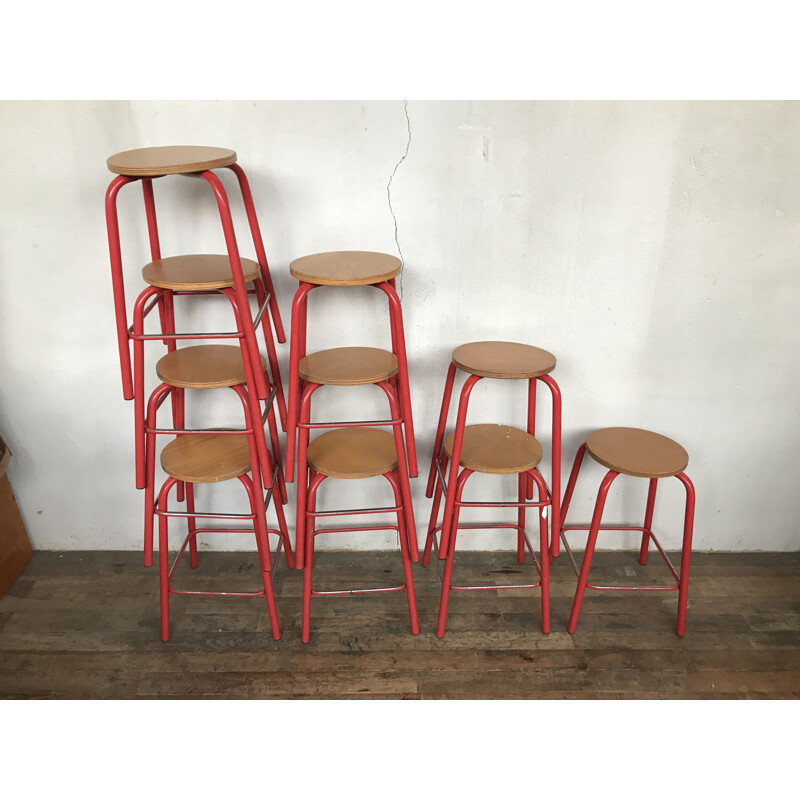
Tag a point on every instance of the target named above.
point(189, 274)
point(352, 454)
point(351, 366)
point(643, 454)
point(494, 449)
point(210, 457)
point(209, 367)
point(346, 268)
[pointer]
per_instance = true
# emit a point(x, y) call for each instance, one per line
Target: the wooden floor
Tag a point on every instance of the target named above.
point(85, 625)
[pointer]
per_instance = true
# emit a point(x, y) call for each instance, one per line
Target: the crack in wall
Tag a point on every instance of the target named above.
point(389, 195)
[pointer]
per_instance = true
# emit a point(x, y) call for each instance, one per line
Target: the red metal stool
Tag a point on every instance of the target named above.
point(351, 454)
point(494, 449)
point(351, 366)
point(189, 274)
point(211, 456)
point(346, 268)
point(641, 453)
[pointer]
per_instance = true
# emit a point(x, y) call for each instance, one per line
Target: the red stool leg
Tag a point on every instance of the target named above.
point(583, 578)
point(447, 577)
point(555, 483)
point(272, 356)
point(437, 498)
point(686, 553)
point(543, 551)
point(297, 350)
point(150, 467)
point(648, 520)
point(437, 444)
point(531, 426)
point(405, 554)
point(163, 557)
point(573, 477)
point(305, 626)
point(300, 538)
point(192, 525)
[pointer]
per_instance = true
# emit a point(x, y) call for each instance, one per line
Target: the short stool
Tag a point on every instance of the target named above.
point(352, 454)
point(346, 268)
point(642, 454)
point(494, 449)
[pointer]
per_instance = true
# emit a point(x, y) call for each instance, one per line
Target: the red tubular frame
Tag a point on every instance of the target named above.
point(311, 532)
point(133, 378)
point(297, 351)
point(681, 578)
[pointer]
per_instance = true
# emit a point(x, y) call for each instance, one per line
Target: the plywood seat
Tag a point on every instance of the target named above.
point(505, 360)
point(353, 453)
point(348, 366)
point(205, 366)
point(206, 458)
point(496, 449)
point(196, 272)
point(634, 451)
point(346, 268)
point(151, 162)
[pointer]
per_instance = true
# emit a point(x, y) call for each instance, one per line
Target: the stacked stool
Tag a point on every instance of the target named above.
point(200, 455)
point(643, 454)
point(356, 449)
point(494, 449)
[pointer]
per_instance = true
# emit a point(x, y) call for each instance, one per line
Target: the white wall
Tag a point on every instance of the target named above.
point(651, 246)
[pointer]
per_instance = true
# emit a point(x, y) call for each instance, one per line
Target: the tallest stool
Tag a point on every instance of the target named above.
point(229, 274)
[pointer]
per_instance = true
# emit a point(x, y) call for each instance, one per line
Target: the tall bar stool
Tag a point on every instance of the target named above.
point(494, 449)
point(197, 274)
point(642, 454)
point(353, 454)
point(351, 366)
point(211, 456)
point(346, 268)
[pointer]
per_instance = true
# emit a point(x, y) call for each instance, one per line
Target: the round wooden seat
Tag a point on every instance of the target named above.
point(346, 268)
point(205, 366)
point(353, 453)
point(196, 272)
point(348, 366)
point(496, 449)
point(151, 162)
point(634, 451)
point(206, 458)
point(507, 360)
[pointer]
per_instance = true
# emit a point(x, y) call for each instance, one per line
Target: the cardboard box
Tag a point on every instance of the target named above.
point(15, 547)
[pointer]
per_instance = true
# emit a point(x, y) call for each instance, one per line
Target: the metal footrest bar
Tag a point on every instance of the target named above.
point(490, 526)
point(638, 528)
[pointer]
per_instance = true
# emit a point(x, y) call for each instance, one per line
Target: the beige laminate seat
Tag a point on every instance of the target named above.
point(496, 449)
point(152, 162)
point(504, 360)
point(634, 451)
point(346, 268)
point(196, 272)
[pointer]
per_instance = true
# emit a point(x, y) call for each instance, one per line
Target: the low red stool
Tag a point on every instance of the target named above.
point(642, 454)
point(494, 449)
point(346, 268)
point(228, 274)
point(353, 454)
point(211, 456)
point(351, 366)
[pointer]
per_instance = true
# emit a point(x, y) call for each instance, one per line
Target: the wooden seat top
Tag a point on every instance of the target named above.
point(196, 272)
point(151, 162)
point(634, 451)
point(352, 453)
point(206, 458)
point(497, 449)
point(346, 268)
point(204, 366)
point(348, 366)
point(506, 360)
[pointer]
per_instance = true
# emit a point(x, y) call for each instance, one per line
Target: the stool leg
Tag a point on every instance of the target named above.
point(573, 477)
point(302, 472)
point(297, 350)
point(272, 355)
point(686, 553)
point(276, 456)
point(648, 520)
point(437, 444)
point(150, 468)
point(305, 626)
point(583, 578)
point(192, 525)
point(399, 349)
point(543, 550)
point(437, 498)
point(556, 515)
point(447, 577)
point(405, 554)
point(179, 422)
point(531, 425)
point(522, 480)
point(163, 557)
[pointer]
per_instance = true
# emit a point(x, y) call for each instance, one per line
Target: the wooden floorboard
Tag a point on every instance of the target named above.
point(86, 625)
